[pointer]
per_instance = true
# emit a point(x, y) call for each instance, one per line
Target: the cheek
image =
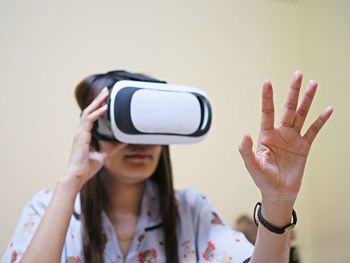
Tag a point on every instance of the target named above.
point(113, 163)
point(108, 147)
point(113, 158)
point(158, 152)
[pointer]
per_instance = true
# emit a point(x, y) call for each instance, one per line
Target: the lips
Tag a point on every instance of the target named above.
point(138, 155)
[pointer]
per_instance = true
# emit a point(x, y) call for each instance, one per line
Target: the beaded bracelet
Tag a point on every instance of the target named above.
point(273, 228)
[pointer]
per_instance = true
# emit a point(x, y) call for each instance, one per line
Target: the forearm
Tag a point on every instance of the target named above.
point(271, 247)
point(48, 240)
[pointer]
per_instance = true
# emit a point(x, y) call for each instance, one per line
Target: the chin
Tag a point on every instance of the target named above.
point(133, 178)
point(134, 174)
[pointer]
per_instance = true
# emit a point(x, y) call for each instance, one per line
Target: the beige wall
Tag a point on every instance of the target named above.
point(226, 48)
point(325, 53)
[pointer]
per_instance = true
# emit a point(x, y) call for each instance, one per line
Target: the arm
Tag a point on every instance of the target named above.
point(48, 240)
point(278, 165)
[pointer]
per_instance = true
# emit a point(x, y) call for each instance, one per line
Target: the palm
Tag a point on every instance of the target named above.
point(282, 155)
point(84, 160)
point(277, 166)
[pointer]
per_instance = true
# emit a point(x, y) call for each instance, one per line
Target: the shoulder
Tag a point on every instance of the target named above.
point(190, 196)
point(192, 201)
point(212, 238)
point(40, 201)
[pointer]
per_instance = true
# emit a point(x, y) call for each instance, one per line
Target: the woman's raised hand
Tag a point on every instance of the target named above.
point(278, 165)
point(85, 161)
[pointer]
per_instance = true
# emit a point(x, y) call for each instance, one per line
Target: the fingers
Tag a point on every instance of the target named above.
point(97, 113)
point(92, 112)
point(314, 129)
point(292, 100)
point(304, 107)
point(100, 98)
point(96, 156)
point(248, 155)
point(267, 108)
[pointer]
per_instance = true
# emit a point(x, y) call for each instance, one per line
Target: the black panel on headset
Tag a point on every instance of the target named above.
point(122, 113)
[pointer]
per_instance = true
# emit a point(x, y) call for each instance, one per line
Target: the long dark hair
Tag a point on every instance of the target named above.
point(92, 194)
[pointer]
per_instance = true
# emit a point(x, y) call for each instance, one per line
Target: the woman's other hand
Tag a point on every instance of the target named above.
point(278, 165)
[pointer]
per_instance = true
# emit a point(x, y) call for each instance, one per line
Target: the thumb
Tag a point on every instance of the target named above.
point(96, 160)
point(249, 158)
point(96, 156)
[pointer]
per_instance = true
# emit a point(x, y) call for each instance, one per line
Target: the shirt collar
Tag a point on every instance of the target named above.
point(149, 219)
point(150, 212)
point(149, 206)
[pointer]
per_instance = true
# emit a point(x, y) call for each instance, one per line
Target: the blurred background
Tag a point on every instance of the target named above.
point(227, 48)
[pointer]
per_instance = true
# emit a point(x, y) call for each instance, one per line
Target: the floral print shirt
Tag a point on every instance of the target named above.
point(202, 235)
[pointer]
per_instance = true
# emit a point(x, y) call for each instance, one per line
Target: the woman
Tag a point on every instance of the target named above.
point(116, 202)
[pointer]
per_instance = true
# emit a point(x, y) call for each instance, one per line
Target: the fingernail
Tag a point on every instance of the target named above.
point(313, 82)
point(267, 82)
point(298, 73)
point(245, 138)
point(330, 108)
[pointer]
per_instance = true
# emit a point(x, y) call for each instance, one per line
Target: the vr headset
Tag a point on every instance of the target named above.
point(146, 111)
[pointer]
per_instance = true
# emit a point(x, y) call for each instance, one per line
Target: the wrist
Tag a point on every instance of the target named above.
point(271, 227)
point(277, 211)
point(70, 186)
point(64, 197)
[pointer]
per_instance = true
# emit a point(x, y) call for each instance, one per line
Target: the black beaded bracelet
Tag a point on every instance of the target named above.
point(273, 228)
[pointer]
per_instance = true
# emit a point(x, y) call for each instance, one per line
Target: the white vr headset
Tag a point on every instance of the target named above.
point(143, 112)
